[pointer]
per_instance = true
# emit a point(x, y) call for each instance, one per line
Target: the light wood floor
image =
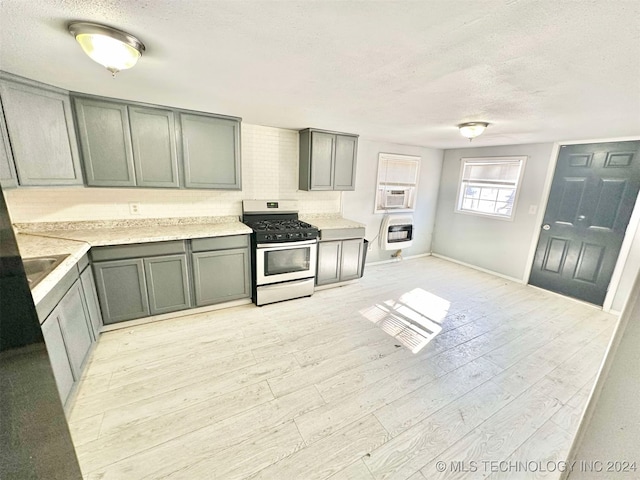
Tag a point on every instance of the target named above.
point(328, 387)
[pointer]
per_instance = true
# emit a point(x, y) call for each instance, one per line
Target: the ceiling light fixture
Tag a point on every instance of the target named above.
point(111, 48)
point(472, 129)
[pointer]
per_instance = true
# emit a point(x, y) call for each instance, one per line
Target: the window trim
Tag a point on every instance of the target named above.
point(522, 159)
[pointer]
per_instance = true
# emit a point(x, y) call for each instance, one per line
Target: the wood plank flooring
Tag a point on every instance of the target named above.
point(419, 362)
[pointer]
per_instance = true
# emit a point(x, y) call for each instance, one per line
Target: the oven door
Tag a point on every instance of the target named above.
point(281, 262)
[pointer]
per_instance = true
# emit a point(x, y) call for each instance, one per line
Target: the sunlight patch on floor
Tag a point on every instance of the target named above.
point(414, 319)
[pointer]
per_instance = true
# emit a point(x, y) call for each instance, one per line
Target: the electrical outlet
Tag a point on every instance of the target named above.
point(533, 209)
point(134, 208)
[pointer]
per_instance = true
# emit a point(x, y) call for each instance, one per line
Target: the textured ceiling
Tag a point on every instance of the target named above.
point(398, 71)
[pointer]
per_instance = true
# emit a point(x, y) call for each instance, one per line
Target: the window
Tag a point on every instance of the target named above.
point(397, 183)
point(489, 186)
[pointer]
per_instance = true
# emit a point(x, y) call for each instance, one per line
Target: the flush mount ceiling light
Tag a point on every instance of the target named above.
point(472, 129)
point(111, 48)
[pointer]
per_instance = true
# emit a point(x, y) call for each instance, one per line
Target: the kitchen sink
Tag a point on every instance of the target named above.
point(39, 267)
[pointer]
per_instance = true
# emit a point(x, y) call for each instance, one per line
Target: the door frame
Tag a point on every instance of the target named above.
point(629, 234)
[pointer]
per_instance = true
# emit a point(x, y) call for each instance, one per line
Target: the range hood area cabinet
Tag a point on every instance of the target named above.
point(39, 146)
point(135, 145)
point(327, 160)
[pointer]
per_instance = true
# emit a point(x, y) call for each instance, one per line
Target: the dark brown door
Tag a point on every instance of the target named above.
point(592, 196)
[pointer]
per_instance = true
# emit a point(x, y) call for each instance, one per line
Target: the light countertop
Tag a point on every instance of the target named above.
point(76, 238)
point(330, 221)
point(35, 246)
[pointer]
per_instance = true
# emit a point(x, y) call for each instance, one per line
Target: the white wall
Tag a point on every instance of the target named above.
point(269, 170)
point(610, 430)
point(359, 204)
point(629, 272)
point(493, 244)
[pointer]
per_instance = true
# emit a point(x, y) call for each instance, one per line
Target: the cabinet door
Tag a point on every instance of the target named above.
point(75, 328)
point(221, 276)
point(211, 152)
point(153, 135)
point(328, 262)
point(322, 152)
point(42, 135)
point(58, 355)
point(350, 259)
point(7, 168)
point(344, 177)
point(167, 283)
point(91, 298)
point(122, 290)
point(105, 141)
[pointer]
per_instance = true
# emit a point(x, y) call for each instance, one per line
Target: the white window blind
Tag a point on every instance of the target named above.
point(397, 182)
point(490, 186)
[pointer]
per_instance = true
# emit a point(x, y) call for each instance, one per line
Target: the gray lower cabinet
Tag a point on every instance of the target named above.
point(7, 168)
point(167, 283)
point(76, 331)
point(122, 290)
point(339, 261)
point(328, 262)
point(42, 134)
point(327, 160)
point(68, 336)
point(91, 297)
point(221, 276)
point(58, 356)
point(211, 152)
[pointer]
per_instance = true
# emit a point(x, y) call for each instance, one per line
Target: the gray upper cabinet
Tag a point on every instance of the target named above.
point(211, 152)
point(344, 174)
point(327, 160)
point(167, 283)
point(42, 135)
point(105, 142)
point(155, 155)
point(322, 145)
point(7, 168)
point(131, 145)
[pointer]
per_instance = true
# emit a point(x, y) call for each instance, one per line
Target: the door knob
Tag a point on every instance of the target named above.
point(581, 218)
point(546, 227)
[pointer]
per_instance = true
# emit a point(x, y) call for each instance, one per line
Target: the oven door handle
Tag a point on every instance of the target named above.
point(285, 245)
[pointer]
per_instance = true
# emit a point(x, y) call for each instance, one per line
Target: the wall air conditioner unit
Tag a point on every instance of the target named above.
point(397, 197)
point(397, 183)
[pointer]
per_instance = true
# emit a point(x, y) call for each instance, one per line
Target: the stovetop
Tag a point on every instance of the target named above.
point(286, 230)
point(276, 221)
point(286, 225)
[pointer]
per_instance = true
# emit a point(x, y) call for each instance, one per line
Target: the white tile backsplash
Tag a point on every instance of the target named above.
point(269, 171)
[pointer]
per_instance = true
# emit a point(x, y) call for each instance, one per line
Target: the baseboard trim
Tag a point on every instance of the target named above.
point(475, 267)
point(395, 260)
point(178, 314)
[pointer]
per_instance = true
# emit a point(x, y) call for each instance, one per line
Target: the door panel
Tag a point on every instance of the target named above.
point(322, 164)
point(167, 283)
point(345, 163)
point(592, 195)
point(106, 143)
point(154, 147)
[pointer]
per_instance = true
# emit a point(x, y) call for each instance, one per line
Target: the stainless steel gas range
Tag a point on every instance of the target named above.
point(284, 250)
